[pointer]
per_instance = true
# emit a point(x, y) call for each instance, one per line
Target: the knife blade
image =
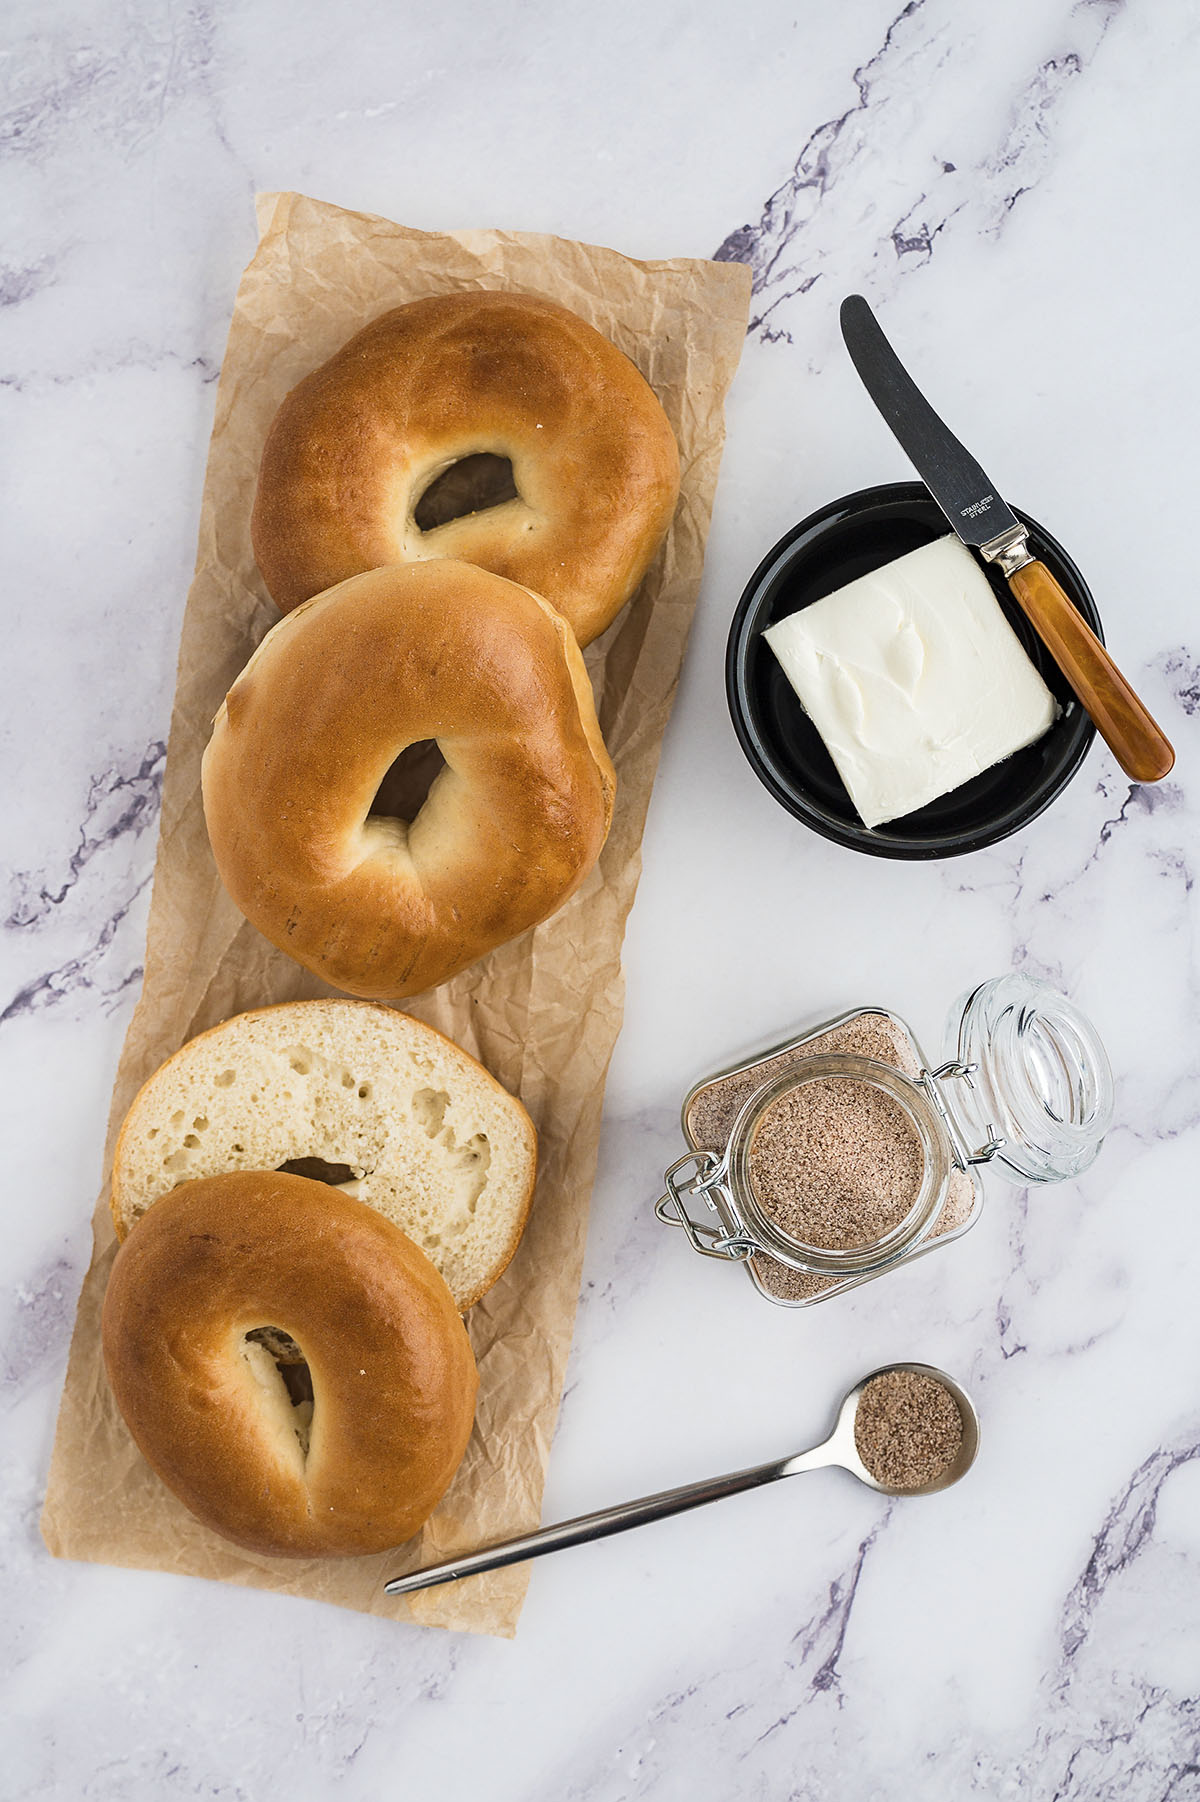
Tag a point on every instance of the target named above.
point(949, 471)
point(986, 524)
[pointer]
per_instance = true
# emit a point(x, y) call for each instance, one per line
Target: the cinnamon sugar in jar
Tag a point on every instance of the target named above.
point(840, 1154)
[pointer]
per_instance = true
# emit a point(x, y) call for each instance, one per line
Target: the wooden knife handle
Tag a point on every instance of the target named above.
point(1138, 744)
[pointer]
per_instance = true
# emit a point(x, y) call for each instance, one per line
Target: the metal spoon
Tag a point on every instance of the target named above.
point(838, 1448)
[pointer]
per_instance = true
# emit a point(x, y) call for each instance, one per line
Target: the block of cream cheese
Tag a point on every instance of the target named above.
point(914, 679)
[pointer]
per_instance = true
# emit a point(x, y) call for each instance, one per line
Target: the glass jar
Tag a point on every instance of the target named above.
point(1026, 1087)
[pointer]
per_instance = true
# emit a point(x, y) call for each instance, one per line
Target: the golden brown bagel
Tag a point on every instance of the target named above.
point(393, 1376)
point(335, 693)
point(355, 446)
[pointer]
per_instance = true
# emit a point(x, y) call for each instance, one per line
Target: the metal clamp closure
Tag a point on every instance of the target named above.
point(726, 1239)
point(929, 1080)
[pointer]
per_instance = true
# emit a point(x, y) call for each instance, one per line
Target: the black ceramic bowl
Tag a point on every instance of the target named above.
point(847, 539)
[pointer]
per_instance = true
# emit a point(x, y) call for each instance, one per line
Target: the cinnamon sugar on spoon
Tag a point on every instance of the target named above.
point(907, 1429)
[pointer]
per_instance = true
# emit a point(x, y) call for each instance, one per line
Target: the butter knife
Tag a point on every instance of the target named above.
point(986, 525)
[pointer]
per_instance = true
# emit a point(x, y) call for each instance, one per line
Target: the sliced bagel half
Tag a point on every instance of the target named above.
point(357, 1095)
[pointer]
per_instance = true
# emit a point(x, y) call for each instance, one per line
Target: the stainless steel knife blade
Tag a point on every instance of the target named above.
point(949, 471)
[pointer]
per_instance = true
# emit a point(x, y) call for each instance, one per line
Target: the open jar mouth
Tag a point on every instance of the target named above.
point(869, 1255)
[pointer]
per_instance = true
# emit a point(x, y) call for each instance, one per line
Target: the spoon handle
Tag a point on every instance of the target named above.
point(605, 1521)
point(1136, 741)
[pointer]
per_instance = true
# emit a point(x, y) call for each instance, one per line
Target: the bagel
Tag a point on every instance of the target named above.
point(226, 1268)
point(355, 447)
point(342, 686)
point(395, 1113)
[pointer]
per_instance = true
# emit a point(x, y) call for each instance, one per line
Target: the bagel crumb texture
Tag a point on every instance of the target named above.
point(381, 1106)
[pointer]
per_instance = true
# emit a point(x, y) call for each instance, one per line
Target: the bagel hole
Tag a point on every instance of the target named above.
point(471, 485)
point(401, 794)
point(294, 1374)
point(319, 1171)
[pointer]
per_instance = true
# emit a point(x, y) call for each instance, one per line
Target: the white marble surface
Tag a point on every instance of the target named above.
point(1004, 181)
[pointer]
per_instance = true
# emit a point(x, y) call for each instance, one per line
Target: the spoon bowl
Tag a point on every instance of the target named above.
point(843, 1449)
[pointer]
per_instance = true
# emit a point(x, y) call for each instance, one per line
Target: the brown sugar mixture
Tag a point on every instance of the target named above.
point(908, 1429)
point(713, 1109)
point(835, 1163)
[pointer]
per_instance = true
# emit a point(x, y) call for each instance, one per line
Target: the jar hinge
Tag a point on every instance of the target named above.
point(705, 1183)
point(929, 1081)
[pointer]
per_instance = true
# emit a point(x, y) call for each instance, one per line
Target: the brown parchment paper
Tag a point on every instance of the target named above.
point(542, 1013)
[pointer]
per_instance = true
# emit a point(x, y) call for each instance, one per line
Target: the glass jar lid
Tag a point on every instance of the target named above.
point(1038, 1087)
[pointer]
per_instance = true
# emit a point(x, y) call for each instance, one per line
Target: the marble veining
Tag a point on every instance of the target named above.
point(92, 880)
point(124, 81)
point(1137, 1739)
point(117, 802)
point(45, 1304)
point(1001, 180)
point(799, 237)
point(1183, 676)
